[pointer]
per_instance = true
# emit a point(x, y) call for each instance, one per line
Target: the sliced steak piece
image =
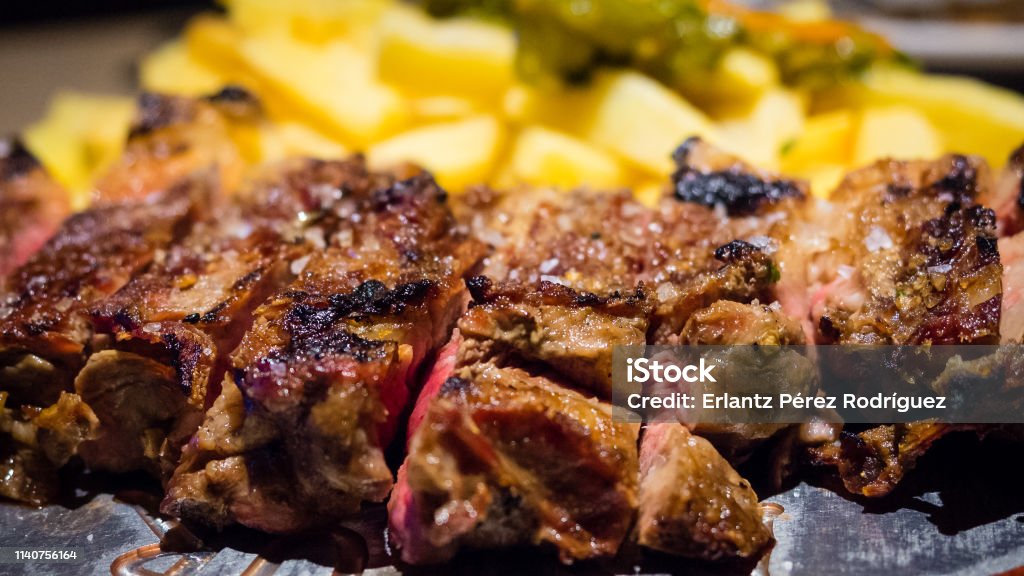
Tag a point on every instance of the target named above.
point(912, 259)
point(173, 137)
point(1011, 322)
point(32, 206)
point(728, 323)
point(174, 326)
point(692, 502)
point(44, 324)
point(567, 281)
point(570, 332)
point(35, 442)
point(502, 459)
point(688, 253)
point(871, 463)
point(178, 158)
point(318, 383)
point(1006, 195)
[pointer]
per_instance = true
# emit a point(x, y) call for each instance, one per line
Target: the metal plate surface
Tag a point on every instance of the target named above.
point(961, 512)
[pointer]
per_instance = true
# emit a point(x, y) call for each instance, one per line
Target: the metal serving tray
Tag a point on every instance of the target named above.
point(960, 512)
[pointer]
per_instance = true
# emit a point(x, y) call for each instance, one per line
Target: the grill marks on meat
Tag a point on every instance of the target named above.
point(174, 137)
point(503, 458)
point(44, 325)
point(914, 260)
point(692, 502)
point(318, 384)
point(44, 313)
point(173, 327)
point(567, 331)
point(32, 206)
point(503, 426)
point(709, 177)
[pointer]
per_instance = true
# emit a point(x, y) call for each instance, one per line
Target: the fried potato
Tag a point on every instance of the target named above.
point(310, 21)
point(81, 135)
point(462, 58)
point(895, 132)
point(826, 139)
point(459, 153)
point(641, 120)
point(172, 69)
point(333, 86)
point(973, 117)
point(292, 139)
point(541, 156)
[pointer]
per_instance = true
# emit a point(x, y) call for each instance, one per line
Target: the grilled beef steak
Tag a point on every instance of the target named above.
point(572, 276)
point(913, 260)
point(503, 458)
point(174, 326)
point(173, 137)
point(255, 341)
point(44, 324)
point(692, 502)
point(32, 206)
point(318, 383)
point(178, 159)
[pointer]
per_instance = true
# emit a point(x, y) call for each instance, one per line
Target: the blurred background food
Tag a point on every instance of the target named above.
point(559, 92)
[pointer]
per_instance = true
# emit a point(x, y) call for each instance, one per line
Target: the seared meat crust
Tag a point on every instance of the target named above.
point(32, 206)
point(174, 326)
point(570, 332)
point(920, 257)
point(914, 261)
point(503, 458)
point(44, 325)
point(709, 177)
point(318, 383)
point(692, 502)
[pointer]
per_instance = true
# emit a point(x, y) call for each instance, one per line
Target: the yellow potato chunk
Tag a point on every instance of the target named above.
point(826, 139)
point(333, 85)
point(745, 71)
point(895, 132)
point(641, 120)
point(171, 69)
point(565, 109)
point(823, 178)
point(772, 124)
point(291, 139)
point(433, 109)
point(458, 153)
point(214, 43)
point(626, 113)
point(81, 135)
point(973, 117)
point(313, 21)
point(456, 57)
point(650, 193)
point(541, 156)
